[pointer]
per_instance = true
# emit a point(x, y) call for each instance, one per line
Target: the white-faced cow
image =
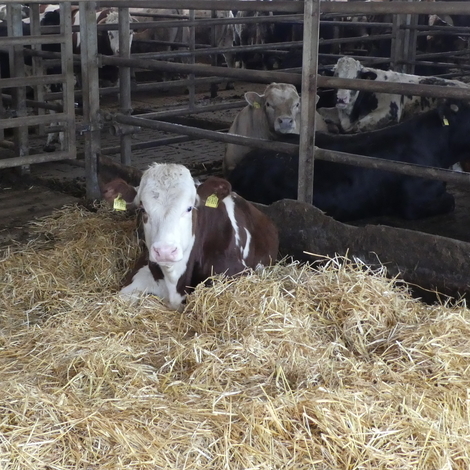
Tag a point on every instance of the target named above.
point(360, 111)
point(192, 231)
point(267, 116)
point(438, 138)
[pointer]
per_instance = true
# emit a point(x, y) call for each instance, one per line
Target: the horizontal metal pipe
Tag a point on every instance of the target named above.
point(31, 81)
point(321, 154)
point(257, 47)
point(379, 8)
point(32, 159)
point(366, 8)
point(202, 21)
point(196, 110)
point(34, 120)
point(285, 6)
point(218, 50)
point(207, 70)
point(206, 134)
point(429, 55)
point(149, 144)
point(145, 87)
point(35, 104)
point(7, 144)
point(409, 169)
point(31, 40)
point(324, 82)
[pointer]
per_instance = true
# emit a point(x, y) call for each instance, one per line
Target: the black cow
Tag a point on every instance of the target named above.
point(438, 138)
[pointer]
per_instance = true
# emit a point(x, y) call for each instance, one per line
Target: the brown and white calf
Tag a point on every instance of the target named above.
point(192, 231)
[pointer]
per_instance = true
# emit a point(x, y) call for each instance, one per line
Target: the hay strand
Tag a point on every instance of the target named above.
point(292, 367)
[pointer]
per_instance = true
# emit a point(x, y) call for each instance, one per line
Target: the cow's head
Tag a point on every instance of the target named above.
point(113, 18)
point(167, 196)
point(346, 67)
point(281, 104)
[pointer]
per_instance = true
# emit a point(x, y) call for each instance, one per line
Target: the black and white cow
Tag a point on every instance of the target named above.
point(361, 111)
point(192, 231)
point(438, 138)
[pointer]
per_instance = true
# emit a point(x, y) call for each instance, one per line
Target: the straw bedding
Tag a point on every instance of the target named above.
point(294, 367)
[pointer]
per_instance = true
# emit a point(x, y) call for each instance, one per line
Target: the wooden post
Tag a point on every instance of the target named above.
point(309, 100)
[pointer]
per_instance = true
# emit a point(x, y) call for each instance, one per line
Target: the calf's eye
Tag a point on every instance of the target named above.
point(189, 209)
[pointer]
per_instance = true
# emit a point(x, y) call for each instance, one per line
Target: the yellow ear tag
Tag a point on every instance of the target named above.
point(212, 201)
point(119, 204)
point(256, 105)
point(445, 121)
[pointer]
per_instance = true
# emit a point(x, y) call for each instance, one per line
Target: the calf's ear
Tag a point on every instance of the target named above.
point(118, 188)
point(214, 186)
point(253, 99)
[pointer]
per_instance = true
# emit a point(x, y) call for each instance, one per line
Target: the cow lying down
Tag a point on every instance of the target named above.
point(362, 111)
point(268, 116)
point(191, 231)
point(438, 138)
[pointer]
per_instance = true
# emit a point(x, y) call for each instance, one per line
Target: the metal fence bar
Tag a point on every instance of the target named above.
point(320, 154)
point(32, 159)
point(294, 78)
point(309, 94)
point(125, 100)
point(91, 100)
point(34, 120)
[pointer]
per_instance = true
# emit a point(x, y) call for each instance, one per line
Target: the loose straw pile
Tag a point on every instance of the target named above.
point(292, 367)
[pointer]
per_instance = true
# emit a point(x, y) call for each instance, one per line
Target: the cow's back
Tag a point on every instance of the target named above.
point(230, 235)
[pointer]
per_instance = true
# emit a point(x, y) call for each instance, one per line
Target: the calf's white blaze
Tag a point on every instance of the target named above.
point(168, 195)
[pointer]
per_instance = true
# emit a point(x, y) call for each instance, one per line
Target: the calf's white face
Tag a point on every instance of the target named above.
point(113, 35)
point(346, 67)
point(281, 104)
point(167, 195)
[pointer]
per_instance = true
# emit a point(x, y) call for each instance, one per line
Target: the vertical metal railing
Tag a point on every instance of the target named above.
point(309, 101)
point(91, 96)
point(21, 119)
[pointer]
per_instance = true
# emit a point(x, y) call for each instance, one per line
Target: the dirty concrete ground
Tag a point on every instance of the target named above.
point(51, 185)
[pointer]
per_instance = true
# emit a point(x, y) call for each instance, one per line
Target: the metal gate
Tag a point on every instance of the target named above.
point(32, 71)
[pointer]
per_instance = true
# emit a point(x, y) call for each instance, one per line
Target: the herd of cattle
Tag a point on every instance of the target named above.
point(193, 230)
point(409, 129)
